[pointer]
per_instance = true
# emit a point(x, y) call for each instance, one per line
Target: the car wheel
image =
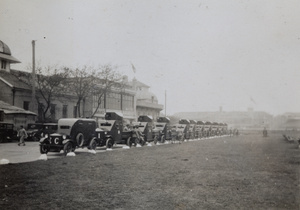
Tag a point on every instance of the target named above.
point(80, 139)
point(109, 143)
point(129, 142)
point(44, 148)
point(93, 144)
point(162, 139)
point(155, 139)
point(68, 148)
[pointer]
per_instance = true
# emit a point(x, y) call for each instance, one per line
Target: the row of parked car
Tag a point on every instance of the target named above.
point(71, 133)
point(79, 133)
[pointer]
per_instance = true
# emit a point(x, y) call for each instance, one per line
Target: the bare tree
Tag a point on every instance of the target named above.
point(107, 79)
point(50, 83)
point(81, 83)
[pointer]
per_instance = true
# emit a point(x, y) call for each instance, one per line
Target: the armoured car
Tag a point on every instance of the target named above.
point(162, 130)
point(71, 133)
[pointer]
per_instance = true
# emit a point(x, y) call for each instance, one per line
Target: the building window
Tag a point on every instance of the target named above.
point(75, 111)
point(53, 112)
point(95, 102)
point(65, 111)
point(3, 64)
point(113, 101)
point(1, 116)
point(26, 105)
point(127, 102)
point(41, 112)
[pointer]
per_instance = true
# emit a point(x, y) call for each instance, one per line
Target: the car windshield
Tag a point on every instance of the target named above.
point(64, 127)
point(52, 127)
point(105, 124)
point(34, 126)
point(159, 126)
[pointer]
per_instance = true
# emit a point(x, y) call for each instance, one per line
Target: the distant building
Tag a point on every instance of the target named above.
point(146, 102)
point(236, 119)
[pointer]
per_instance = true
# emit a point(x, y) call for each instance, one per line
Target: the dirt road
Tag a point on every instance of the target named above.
point(245, 172)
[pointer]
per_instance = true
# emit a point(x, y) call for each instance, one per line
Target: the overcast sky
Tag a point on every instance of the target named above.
point(205, 53)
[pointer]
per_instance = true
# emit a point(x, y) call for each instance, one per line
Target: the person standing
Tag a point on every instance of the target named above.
point(22, 134)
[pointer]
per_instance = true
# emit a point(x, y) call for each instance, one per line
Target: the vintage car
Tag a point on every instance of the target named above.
point(71, 133)
point(145, 125)
point(207, 129)
point(162, 130)
point(178, 132)
point(215, 131)
point(7, 132)
point(109, 131)
point(192, 129)
point(48, 128)
point(199, 130)
point(186, 132)
point(36, 131)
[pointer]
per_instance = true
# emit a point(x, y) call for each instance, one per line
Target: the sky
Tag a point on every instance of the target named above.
point(205, 54)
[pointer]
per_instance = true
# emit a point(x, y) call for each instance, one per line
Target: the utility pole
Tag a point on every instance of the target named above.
point(165, 103)
point(33, 76)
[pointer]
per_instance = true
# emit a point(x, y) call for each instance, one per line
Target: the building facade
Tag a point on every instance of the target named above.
point(132, 100)
point(146, 102)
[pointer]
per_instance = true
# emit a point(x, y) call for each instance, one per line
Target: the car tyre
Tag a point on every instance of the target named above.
point(44, 149)
point(155, 139)
point(162, 139)
point(93, 144)
point(80, 139)
point(109, 143)
point(129, 142)
point(68, 147)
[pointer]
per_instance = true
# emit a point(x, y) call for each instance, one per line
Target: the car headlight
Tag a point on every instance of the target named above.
point(56, 140)
point(105, 133)
point(46, 135)
point(64, 137)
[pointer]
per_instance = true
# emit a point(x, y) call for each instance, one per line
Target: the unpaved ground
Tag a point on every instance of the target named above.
point(245, 172)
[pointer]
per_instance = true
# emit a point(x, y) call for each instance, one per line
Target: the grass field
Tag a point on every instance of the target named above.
point(244, 172)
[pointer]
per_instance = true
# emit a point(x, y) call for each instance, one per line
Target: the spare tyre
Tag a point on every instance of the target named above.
point(80, 139)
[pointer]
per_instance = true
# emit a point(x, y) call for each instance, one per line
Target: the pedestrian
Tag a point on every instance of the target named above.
point(265, 132)
point(22, 134)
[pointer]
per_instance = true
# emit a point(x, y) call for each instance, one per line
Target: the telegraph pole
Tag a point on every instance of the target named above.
point(165, 103)
point(33, 76)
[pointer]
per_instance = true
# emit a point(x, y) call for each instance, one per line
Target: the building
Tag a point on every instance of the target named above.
point(120, 99)
point(15, 115)
point(131, 98)
point(254, 120)
point(146, 102)
point(6, 58)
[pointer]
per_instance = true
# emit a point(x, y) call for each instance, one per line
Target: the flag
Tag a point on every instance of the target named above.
point(252, 100)
point(133, 68)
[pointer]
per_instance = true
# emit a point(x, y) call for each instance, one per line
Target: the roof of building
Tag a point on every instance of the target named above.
point(5, 53)
point(16, 79)
point(9, 109)
point(138, 83)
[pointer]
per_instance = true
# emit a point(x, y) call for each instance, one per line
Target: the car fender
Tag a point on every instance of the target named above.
point(44, 140)
point(66, 141)
point(108, 136)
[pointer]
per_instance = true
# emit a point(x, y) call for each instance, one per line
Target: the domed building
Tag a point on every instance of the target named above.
point(6, 58)
point(146, 102)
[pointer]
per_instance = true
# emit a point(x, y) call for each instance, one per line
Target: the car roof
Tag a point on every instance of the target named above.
point(72, 121)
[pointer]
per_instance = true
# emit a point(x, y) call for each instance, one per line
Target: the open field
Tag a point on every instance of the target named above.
point(244, 172)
